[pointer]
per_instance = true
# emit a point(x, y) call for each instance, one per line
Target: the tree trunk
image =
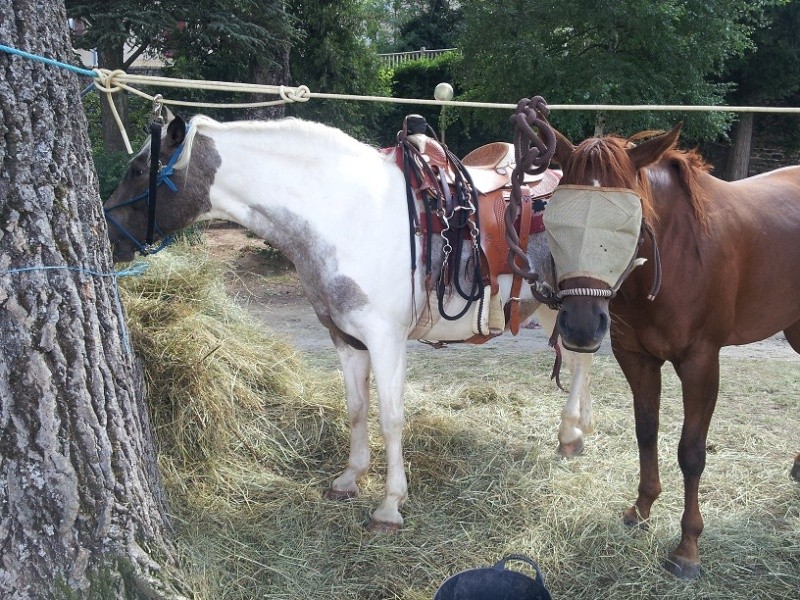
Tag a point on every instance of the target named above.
point(739, 160)
point(111, 57)
point(81, 510)
point(265, 73)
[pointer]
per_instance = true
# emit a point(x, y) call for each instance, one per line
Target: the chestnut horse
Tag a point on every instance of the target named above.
point(727, 257)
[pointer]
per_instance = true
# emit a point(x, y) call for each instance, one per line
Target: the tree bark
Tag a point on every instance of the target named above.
point(81, 510)
point(265, 73)
point(739, 159)
point(112, 58)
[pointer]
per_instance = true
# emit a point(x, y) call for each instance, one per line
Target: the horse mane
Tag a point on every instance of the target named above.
point(305, 137)
point(689, 165)
point(604, 156)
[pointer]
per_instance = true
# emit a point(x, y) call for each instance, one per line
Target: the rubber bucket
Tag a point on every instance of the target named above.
point(495, 583)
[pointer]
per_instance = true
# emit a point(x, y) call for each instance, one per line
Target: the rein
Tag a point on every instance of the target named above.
point(533, 150)
point(155, 165)
point(454, 206)
point(159, 175)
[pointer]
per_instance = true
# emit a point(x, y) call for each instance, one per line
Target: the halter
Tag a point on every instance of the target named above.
point(159, 175)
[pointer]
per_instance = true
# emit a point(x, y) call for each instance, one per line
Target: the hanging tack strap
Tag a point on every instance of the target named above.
point(155, 167)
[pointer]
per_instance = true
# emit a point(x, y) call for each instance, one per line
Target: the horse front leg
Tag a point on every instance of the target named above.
point(699, 375)
point(388, 353)
point(644, 378)
point(355, 370)
point(576, 416)
point(793, 337)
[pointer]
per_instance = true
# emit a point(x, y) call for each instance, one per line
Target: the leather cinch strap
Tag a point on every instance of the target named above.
point(516, 282)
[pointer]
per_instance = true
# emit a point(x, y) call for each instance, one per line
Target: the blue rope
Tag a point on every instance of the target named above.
point(136, 269)
point(48, 61)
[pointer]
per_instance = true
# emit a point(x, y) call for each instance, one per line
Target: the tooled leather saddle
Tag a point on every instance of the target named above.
point(474, 191)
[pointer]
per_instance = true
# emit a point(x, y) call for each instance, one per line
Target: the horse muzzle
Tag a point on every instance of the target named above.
point(583, 323)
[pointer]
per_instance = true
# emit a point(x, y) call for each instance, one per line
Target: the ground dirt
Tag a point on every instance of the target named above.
point(266, 284)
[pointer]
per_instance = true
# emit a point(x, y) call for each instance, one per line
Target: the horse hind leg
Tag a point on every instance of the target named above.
point(793, 337)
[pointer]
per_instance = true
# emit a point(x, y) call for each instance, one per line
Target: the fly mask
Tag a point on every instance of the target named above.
point(594, 232)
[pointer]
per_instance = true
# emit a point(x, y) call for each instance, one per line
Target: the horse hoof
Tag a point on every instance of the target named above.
point(683, 568)
point(796, 470)
point(631, 518)
point(383, 527)
point(339, 495)
point(572, 449)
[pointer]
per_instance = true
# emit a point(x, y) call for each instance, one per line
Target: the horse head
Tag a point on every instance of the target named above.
point(178, 201)
point(595, 221)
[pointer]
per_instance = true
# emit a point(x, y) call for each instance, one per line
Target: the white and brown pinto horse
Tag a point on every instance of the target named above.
point(338, 210)
point(729, 273)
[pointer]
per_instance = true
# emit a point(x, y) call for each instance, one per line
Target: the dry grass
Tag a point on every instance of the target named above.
point(251, 435)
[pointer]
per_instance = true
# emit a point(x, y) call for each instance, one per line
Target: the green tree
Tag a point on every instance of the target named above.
point(768, 74)
point(406, 25)
point(238, 39)
point(333, 57)
point(608, 52)
point(435, 25)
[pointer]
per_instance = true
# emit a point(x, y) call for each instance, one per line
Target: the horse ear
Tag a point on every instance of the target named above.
point(650, 151)
point(176, 131)
point(564, 148)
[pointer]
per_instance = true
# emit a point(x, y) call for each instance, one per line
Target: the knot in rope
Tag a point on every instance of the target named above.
point(105, 80)
point(298, 94)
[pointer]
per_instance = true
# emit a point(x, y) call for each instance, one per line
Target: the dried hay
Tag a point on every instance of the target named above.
point(251, 436)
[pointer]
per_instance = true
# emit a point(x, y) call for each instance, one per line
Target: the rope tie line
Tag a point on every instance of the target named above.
point(302, 93)
point(135, 270)
point(111, 82)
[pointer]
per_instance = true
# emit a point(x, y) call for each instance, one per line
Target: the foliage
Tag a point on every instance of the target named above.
point(209, 49)
point(417, 79)
point(436, 26)
point(609, 52)
point(405, 25)
point(198, 28)
point(111, 165)
point(112, 24)
point(334, 58)
point(770, 70)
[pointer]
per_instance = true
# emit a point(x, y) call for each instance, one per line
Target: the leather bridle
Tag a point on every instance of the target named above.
point(159, 175)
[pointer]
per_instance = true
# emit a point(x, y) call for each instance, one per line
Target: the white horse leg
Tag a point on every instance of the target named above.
point(389, 366)
point(576, 416)
point(355, 369)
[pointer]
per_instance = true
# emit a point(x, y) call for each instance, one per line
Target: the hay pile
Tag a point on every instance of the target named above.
point(251, 436)
point(233, 407)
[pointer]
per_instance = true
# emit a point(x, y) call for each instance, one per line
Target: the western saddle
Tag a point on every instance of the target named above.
point(438, 177)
